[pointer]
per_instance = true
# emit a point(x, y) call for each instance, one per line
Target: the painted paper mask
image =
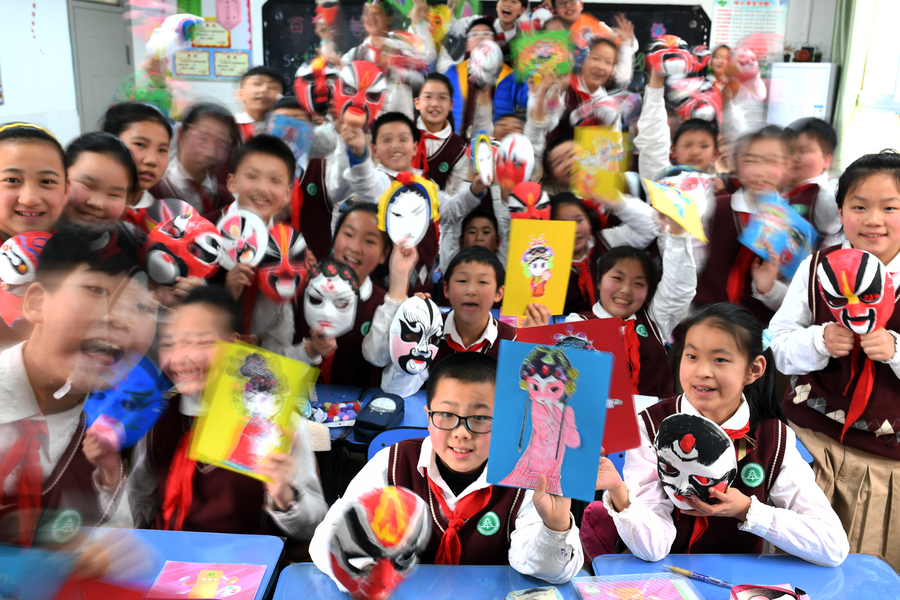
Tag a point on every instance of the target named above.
point(857, 288)
point(284, 269)
point(186, 246)
point(405, 62)
point(314, 85)
point(18, 264)
point(415, 333)
point(696, 98)
point(485, 63)
point(670, 55)
point(161, 211)
point(359, 93)
point(408, 208)
point(482, 153)
point(244, 238)
point(331, 298)
point(515, 160)
point(529, 201)
point(693, 455)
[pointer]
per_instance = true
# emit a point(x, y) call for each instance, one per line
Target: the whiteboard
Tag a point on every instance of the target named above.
point(798, 90)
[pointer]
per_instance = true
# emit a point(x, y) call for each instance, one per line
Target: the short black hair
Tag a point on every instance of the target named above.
point(564, 198)
point(110, 250)
point(214, 111)
point(619, 253)
point(886, 162)
point(480, 255)
point(502, 116)
point(120, 116)
point(552, 145)
point(486, 21)
point(479, 213)
point(268, 145)
point(100, 142)
point(265, 72)
point(709, 127)
point(440, 78)
point(465, 367)
point(289, 102)
point(819, 130)
point(216, 297)
point(16, 133)
point(769, 132)
point(348, 208)
point(393, 117)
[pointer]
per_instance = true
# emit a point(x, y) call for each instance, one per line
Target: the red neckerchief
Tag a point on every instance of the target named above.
point(737, 275)
point(800, 188)
point(632, 347)
point(179, 484)
point(479, 347)
point(420, 161)
point(862, 380)
point(325, 367)
point(585, 280)
point(204, 196)
point(576, 85)
point(26, 453)
point(450, 549)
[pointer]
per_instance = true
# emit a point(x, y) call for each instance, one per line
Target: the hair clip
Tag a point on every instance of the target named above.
point(767, 336)
point(26, 125)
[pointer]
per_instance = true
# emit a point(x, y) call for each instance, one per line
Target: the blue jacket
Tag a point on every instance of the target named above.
point(508, 93)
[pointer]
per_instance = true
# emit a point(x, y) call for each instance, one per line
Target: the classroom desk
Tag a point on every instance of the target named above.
point(860, 576)
point(434, 582)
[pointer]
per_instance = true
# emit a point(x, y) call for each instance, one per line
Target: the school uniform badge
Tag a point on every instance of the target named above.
point(752, 474)
point(489, 524)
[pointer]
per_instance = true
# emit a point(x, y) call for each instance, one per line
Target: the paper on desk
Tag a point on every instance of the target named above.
point(205, 580)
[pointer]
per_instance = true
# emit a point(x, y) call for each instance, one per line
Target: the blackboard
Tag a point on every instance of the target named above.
point(289, 37)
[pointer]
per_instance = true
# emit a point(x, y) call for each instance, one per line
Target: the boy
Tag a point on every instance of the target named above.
point(508, 12)
point(260, 87)
point(394, 145)
point(51, 466)
point(809, 191)
point(479, 228)
point(541, 540)
point(168, 490)
point(441, 154)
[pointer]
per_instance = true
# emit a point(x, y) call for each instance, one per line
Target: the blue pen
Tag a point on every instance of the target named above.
point(699, 577)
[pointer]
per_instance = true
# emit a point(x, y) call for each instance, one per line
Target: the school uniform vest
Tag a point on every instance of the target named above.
point(577, 300)
point(440, 166)
point(765, 450)
point(223, 501)
point(70, 485)
point(655, 377)
point(348, 367)
point(504, 332)
point(723, 249)
point(477, 548)
point(311, 210)
point(821, 393)
point(220, 198)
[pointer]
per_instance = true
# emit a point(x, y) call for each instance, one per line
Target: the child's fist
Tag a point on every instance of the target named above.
point(280, 468)
point(102, 457)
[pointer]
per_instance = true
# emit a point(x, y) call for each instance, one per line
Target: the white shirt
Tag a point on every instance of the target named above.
point(799, 345)
point(451, 232)
point(535, 550)
point(827, 218)
point(244, 118)
point(799, 520)
point(146, 200)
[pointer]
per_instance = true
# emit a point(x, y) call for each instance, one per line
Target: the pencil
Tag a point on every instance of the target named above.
point(698, 576)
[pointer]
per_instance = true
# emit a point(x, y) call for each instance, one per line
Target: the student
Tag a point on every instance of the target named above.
point(541, 540)
point(260, 88)
point(558, 159)
point(102, 177)
point(441, 154)
point(290, 107)
point(170, 491)
point(627, 289)
point(508, 12)
point(820, 354)
point(147, 134)
point(206, 138)
point(394, 145)
point(33, 181)
point(77, 341)
point(479, 228)
point(728, 375)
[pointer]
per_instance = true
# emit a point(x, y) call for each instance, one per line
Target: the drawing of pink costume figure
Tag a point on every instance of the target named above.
point(549, 377)
point(538, 261)
point(261, 403)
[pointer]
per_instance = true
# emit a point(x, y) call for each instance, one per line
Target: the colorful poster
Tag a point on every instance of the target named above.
point(541, 54)
point(228, 13)
point(600, 335)
point(600, 163)
point(776, 227)
point(203, 580)
point(678, 205)
point(734, 20)
point(250, 408)
point(297, 134)
point(221, 47)
point(550, 402)
point(538, 265)
point(637, 587)
point(403, 6)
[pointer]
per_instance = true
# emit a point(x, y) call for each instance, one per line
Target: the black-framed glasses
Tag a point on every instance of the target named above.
point(449, 421)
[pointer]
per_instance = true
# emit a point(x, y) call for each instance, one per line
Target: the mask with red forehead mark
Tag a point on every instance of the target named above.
point(693, 455)
point(857, 288)
point(696, 98)
point(670, 55)
point(186, 246)
point(18, 264)
point(243, 237)
point(285, 267)
point(485, 64)
point(162, 211)
point(528, 200)
point(331, 297)
point(359, 93)
point(383, 533)
point(515, 160)
point(415, 332)
point(314, 85)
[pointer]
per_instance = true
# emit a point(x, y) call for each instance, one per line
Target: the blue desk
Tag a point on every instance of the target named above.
point(428, 581)
point(860, 576)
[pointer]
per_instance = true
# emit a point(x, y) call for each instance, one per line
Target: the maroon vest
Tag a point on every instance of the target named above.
point(477, 549)
point(221, 198)
point(348, 367)
point(311, 210)
point(655, 377)
point(504, 332)
point(70, 485)
point(827, 389)
point(576, 300)
point(722, 253)
point(223, 502)
point(440, 166)
point(765, 449)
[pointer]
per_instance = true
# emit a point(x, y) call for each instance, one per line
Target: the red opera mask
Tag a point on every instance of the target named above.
point(161, 211)
point(314, 85)
point(186, 246)
point(529, 201)
point(359, 93)
point(18, 263)
point(284, 270)
point(243, 239)
point(858, 289)
point(696, 98)
point(515, 160)
point(670, 55)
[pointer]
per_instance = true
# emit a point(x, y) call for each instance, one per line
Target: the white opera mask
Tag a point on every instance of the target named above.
point(415, 333)
point(331, 298)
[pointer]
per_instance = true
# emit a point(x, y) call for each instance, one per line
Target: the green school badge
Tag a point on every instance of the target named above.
point(641, 331)
point(364, 329)
point(311, 189)
point(753, 474)
point(489, 524)
point(444, 167)
point(66, 525)
point(800, 209)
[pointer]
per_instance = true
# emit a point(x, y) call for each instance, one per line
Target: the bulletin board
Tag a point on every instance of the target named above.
point(734, 20)
point(221, 48)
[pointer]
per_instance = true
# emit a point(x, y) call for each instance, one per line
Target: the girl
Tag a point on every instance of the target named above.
point(818, 352)
point(147, 134)
point(627, 289)
point(718, 64)
point(206, 138)
point(33, 182)
point(728, 375)
point(102, 177)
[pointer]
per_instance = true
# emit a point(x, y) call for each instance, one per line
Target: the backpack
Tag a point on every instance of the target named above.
point(384, 411)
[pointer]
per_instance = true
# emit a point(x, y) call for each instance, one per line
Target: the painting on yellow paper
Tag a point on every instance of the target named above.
point(538, 265)
point(678, 205)
point(249, 408)
point(600, 163)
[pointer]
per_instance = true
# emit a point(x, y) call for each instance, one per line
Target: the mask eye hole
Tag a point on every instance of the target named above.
point(667, 468)
point(870, 298)
point(700, 480)
point(349, 90)
point(373, 97)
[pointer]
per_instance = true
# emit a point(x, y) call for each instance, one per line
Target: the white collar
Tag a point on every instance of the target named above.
point(189, 405)
point(365, 289)
point(600, 92)
point(442, 134)
point(146, 200)
point(822, 180)
point(17, 399)
point(183, 178)
point(428, 463)
point(892, 267)
point(490, 332)
point(740, 418)
point(507, 35)
point(601, 313)
point(739, 202)
point(243, 118)
point(394, 173)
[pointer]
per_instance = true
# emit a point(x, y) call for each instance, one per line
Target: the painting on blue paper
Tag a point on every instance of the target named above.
point(779, 226)
point(297, 134)
point(549, 413)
